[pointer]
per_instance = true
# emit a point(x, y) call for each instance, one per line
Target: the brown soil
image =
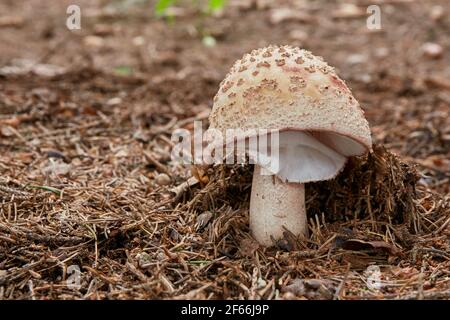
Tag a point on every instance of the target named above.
point(80, 151)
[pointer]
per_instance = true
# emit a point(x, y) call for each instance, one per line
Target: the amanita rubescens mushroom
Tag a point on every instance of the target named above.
point(320, 124)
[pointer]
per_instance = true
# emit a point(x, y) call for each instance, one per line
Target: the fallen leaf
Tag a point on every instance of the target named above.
point(287, 14)
point(200, 173)
point(55, 154)
point(436, 162)
point(432, 50)
point(144, 259)
point(438, 82)
point(361, 260)
point(11, 21)
point(288, 242)
point(298, 35)
point(404, 273)
point(248, 247)
point(25, 157)
point(56, 167)
point(88, 110)
point(93, 41)
point(163, 179)
point(114, 101)
point(437, 13)
point(103, 30)
point(358, 245)
point(24, 66)
point(349, 11)
point(13, 122)
point(203, 219)
point(6, 131)
point(313, 289)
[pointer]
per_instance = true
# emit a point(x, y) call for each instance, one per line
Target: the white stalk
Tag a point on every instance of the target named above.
point(275, 205)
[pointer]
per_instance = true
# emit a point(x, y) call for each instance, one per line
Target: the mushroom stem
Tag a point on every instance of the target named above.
point(275, 205)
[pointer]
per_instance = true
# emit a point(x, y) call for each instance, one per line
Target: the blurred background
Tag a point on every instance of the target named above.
point(178, 51)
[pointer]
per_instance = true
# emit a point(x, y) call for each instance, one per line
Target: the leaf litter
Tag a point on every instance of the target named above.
point(86, 177)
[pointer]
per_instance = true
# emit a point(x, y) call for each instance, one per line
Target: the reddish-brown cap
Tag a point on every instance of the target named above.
point(286, 88)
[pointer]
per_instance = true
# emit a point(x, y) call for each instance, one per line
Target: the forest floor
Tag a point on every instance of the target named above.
point(86, 118)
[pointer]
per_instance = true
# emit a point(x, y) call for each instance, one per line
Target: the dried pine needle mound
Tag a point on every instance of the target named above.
point(378, 189)
point(377, 186)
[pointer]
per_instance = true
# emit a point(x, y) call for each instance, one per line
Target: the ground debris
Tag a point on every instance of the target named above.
point(86, 129)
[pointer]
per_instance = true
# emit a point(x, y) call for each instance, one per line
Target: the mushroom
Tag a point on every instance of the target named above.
point(320, 125)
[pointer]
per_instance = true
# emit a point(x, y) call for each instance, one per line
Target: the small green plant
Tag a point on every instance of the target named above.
point(214, 5)
point(123, 70)
point(162, 6)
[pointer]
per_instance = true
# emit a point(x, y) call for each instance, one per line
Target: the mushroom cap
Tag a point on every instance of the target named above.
point(286, 88)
